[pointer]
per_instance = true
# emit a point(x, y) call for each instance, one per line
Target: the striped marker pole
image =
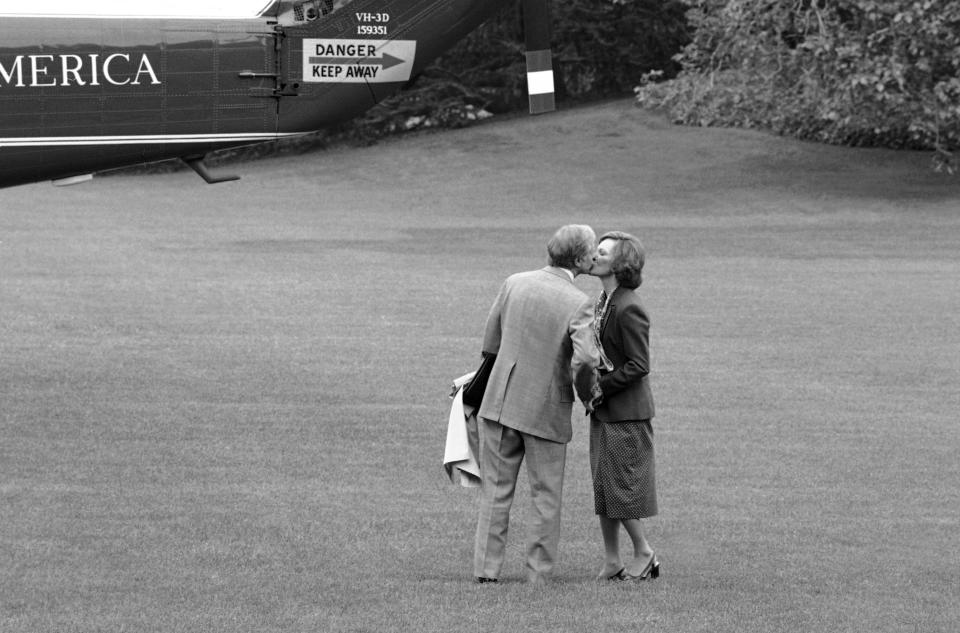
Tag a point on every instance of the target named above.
point(536, 28)
point(540, 81)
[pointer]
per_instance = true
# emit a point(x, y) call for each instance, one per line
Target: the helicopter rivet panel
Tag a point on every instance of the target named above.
point(358, 61)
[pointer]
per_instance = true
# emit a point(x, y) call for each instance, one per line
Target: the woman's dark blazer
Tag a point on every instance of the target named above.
point(626, 342)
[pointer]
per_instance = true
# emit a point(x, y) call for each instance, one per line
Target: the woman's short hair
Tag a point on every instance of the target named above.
point(627, 258)
point(570, 243)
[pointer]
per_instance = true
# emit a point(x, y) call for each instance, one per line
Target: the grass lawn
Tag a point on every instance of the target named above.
point(223, 408)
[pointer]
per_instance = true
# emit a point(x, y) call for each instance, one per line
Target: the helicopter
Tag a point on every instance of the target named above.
point(105, 84)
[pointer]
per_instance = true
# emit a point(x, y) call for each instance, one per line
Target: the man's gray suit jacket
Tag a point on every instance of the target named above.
point(540, 328)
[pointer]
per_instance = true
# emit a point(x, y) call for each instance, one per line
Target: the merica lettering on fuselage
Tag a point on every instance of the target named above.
point(47, 71)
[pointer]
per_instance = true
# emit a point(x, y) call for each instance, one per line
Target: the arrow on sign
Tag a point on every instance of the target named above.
point(387, 61)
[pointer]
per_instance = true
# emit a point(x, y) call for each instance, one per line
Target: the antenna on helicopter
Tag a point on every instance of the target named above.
point(536, 31)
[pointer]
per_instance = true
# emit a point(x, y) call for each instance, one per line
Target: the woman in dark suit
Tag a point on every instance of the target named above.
point(621, 435)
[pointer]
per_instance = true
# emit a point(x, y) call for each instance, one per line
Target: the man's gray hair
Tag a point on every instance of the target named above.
point(570, 243)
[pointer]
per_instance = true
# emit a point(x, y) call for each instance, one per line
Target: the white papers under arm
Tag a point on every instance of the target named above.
point(458, 460)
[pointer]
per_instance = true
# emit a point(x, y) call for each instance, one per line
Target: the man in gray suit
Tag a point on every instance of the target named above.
point(540, 329)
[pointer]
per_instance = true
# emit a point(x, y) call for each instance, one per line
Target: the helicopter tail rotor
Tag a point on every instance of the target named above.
point(536, 27)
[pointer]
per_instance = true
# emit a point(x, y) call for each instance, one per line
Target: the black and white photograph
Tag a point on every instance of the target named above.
point(442, 316)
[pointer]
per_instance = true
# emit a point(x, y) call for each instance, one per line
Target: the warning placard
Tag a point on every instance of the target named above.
point(358, 61)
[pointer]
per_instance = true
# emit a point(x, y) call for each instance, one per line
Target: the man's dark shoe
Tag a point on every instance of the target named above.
point(481, 580)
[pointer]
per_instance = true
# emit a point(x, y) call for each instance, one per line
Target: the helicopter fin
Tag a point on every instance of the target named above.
point(536, 31)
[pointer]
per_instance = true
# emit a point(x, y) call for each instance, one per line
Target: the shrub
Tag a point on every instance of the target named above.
point(855, 72)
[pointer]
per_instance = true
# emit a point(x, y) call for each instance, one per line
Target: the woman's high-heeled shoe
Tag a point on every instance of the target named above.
point(651, 571)
point(654, 568)
point(606, 575)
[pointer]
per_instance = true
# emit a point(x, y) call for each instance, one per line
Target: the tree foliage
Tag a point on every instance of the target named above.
point(855, 72)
